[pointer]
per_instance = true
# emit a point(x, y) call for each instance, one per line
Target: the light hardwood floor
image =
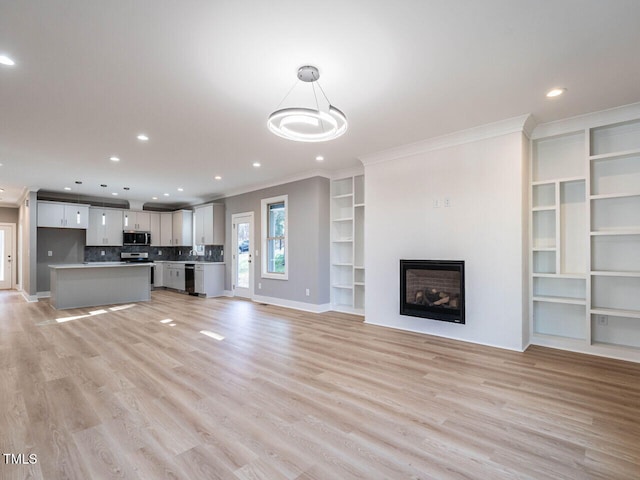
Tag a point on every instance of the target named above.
point(293, 395)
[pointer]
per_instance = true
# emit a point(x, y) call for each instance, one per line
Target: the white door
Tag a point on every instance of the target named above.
point(6, 254)
point(242, 254)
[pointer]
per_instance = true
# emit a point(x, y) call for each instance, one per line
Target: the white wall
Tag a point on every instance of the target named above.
point(483, 226)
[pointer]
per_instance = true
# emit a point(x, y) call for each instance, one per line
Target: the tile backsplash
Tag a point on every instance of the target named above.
point(213, 253)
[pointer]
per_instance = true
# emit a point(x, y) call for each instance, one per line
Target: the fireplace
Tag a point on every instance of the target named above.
point(432, 289)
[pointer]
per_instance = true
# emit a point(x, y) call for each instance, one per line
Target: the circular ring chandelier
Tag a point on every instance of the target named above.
point(303, 124)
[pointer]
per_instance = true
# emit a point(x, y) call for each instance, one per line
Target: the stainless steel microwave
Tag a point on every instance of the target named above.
point(136, 238)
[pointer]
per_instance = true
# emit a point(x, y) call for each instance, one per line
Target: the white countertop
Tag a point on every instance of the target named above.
point(189, 261)
point(100, 265)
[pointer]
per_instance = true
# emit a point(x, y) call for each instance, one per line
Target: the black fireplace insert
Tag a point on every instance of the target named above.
point(432, 289)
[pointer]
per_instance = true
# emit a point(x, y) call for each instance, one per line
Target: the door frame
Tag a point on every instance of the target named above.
point(14, 264)
point(234, 249)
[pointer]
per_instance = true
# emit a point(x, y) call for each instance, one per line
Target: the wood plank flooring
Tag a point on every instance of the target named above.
point(117, 393)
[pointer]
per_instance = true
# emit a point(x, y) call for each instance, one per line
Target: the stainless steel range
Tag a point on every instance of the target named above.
point(138, 257)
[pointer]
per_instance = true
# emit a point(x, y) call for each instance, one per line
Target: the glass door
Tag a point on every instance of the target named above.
point(6, 253)
point(242, 225)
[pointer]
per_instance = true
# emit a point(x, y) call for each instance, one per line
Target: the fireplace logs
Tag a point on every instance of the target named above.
point(433, 297)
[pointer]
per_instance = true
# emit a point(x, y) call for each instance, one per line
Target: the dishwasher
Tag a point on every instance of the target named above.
point(190, 278)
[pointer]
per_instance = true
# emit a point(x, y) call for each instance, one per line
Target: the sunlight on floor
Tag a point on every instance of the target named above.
point(212, 335)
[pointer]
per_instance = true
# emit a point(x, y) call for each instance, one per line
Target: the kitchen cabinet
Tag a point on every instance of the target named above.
point(173, 276)
point(63, 215)
point(154, 228)
point(166, 229)
point(105, 227)
point(183, 228)
point(209, 279)
point(140, 221)
point(158, 273)
point(209, 224)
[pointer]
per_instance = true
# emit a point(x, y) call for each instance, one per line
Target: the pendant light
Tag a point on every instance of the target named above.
point(304, 124)
point(78, 217)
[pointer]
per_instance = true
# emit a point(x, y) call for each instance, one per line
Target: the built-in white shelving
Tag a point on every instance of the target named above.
point(585, 239)
point(347, 244)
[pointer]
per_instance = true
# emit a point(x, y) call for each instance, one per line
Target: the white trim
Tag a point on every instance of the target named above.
point(305, 307)
point(228, 293)
point(275, 183)
point(263, 237)
point(29, 298)
point(457, 339)
point(482, 132)
point(43, 294)
point(349, 310)
point(629, 354)
point(589, 120)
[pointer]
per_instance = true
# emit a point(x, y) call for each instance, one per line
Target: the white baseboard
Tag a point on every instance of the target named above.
point(29, 298)
point(229, 293)
point(43, 294)
point(281, 302)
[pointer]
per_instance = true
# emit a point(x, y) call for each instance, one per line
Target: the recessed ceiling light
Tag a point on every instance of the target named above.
point(1, 190)
point(556, 92)
point(319, 158)
point(180, 189)
point(218, 177)
point(4, 60)
point(142, 137)
point(0, 164)
point(114, 159)
point(115, 194)
point(256, 164)
point(154, 198)
point(67, 188)
point(166, 194)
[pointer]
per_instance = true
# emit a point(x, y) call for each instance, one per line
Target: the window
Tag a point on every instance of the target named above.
point(274, 238)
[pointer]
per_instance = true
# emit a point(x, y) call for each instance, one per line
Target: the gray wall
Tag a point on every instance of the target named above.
point(9, 215)
point(66, 245)
point(308, 240)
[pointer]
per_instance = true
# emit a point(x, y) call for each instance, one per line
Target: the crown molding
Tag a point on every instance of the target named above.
point(523, 123)
point(623, 113)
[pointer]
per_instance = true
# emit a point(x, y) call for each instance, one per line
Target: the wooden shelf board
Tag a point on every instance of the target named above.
point(558, 180)
point(544, 209)
point(544, 249)
point(566, 300)
point(579, 276)
point(348, 219)
point(614, 155)
point(605, 196)
point(361, 284)
point(359, 267)
point(338, 264)
point(616, 312)
point(629, 231)
point(344, 195)
point(357, 205)
point(343, 240)
point(344, 287)
point(612, 273)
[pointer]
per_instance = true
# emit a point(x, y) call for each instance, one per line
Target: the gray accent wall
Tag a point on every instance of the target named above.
point(308, 240)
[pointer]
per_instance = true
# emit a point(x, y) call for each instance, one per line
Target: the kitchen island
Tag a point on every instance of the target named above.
point(100, 283)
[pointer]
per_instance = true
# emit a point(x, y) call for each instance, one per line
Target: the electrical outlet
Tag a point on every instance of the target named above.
point(307, 291)
point(259, 286)
point(102, 253)
point(602, 320)
point(179, 252)
point(436, 203)
point(159, 252)
point(50, 253)
point(447, 202)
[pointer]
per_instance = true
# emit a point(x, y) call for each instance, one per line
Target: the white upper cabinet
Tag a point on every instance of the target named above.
point(105, 227)
point(209, 223)
point(63, 215)
point(154, 228)
point(166, 229)
point(140, 221)
point(183, 228)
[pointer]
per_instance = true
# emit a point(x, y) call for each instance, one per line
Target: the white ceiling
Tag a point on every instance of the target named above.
point(201, 77)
